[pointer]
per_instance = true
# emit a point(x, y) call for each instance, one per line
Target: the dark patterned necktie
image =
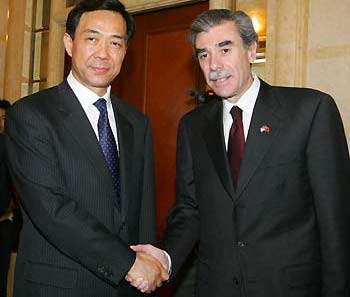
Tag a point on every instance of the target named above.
point(236, 143)
point(109, 146)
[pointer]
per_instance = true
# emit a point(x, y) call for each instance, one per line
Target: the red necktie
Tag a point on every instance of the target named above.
point(236, 143)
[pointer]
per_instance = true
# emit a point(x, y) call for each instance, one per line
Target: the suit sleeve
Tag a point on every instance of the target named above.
point(182, 229)
point(329, 173)
point(147, 225)
point(61, 220)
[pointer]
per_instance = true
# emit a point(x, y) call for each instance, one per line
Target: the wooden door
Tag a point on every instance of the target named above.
point(157, 73)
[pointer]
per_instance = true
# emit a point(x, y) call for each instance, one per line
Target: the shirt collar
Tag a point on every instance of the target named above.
point(85, 96)
point(247, 101)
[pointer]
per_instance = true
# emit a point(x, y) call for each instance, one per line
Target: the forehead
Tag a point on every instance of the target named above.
point(106, 21)
point(217, 34)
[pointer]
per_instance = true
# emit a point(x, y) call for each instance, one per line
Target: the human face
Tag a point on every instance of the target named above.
point(98, 49)
point(2, 120)
point(225, 61)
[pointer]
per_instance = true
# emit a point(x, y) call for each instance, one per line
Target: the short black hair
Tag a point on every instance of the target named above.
point(4, 104)
point(93, 5)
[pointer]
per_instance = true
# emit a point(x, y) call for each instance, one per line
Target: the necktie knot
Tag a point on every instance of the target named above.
point(236, 113)
point(101, 105)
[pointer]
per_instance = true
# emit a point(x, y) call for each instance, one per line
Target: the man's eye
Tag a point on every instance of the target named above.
point(91, 39)
point(202, 56)
point(225, 50)
point(116, 44)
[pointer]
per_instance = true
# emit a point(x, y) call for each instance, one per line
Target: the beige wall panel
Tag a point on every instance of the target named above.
point(55, 65)
point(328, 67)
point(13, 68)
point(3, 42)
point(216, 4)
point(287, 33)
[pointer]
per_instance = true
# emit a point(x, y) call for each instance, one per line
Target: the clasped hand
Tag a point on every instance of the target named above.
point(150, 268)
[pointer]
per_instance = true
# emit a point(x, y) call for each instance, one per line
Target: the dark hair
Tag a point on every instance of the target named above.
point(4, 104)
point(214, 17)
point(93, 5)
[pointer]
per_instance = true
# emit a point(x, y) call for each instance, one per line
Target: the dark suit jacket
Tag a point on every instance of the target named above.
point(4, 178)
point(74, 241)
point(285, 230)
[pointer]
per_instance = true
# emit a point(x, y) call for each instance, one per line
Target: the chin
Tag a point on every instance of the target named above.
point(223, 95)
point(101, 84)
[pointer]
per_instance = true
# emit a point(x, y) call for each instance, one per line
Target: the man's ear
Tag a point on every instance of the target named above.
point(252, 52)
point(68, 43)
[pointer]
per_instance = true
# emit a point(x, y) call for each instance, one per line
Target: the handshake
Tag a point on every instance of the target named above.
point(150, 268)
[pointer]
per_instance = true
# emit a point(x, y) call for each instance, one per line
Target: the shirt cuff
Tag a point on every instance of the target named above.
point(169, 262)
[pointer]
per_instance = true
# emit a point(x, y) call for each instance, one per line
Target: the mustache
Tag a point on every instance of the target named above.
point(218, 74)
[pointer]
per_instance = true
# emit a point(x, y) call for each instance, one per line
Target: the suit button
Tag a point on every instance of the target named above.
point(236, 281)
point(241, 244)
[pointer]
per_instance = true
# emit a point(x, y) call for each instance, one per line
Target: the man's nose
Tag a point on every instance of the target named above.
point(215, 62)
point(102, 50)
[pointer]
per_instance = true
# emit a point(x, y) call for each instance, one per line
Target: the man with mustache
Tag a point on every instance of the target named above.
point(262, 179)
point(83, 161)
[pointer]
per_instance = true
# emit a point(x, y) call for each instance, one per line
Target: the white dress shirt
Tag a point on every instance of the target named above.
point(246, 103)
point(87, 98)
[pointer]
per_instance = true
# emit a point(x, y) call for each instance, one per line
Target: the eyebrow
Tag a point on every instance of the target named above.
point(98, 32)
point(224, 43)
point(220, 44)
point(199, 51)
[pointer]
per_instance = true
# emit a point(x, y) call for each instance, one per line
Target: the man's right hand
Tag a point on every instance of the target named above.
point(147, 273)
point(157, 253)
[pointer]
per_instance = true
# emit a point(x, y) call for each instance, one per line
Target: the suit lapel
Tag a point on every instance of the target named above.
point(77, 124)
point(264, 128)
point(216, 146)
point(125, 145)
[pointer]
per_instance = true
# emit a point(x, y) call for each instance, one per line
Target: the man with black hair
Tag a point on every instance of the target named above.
point(83, 160)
